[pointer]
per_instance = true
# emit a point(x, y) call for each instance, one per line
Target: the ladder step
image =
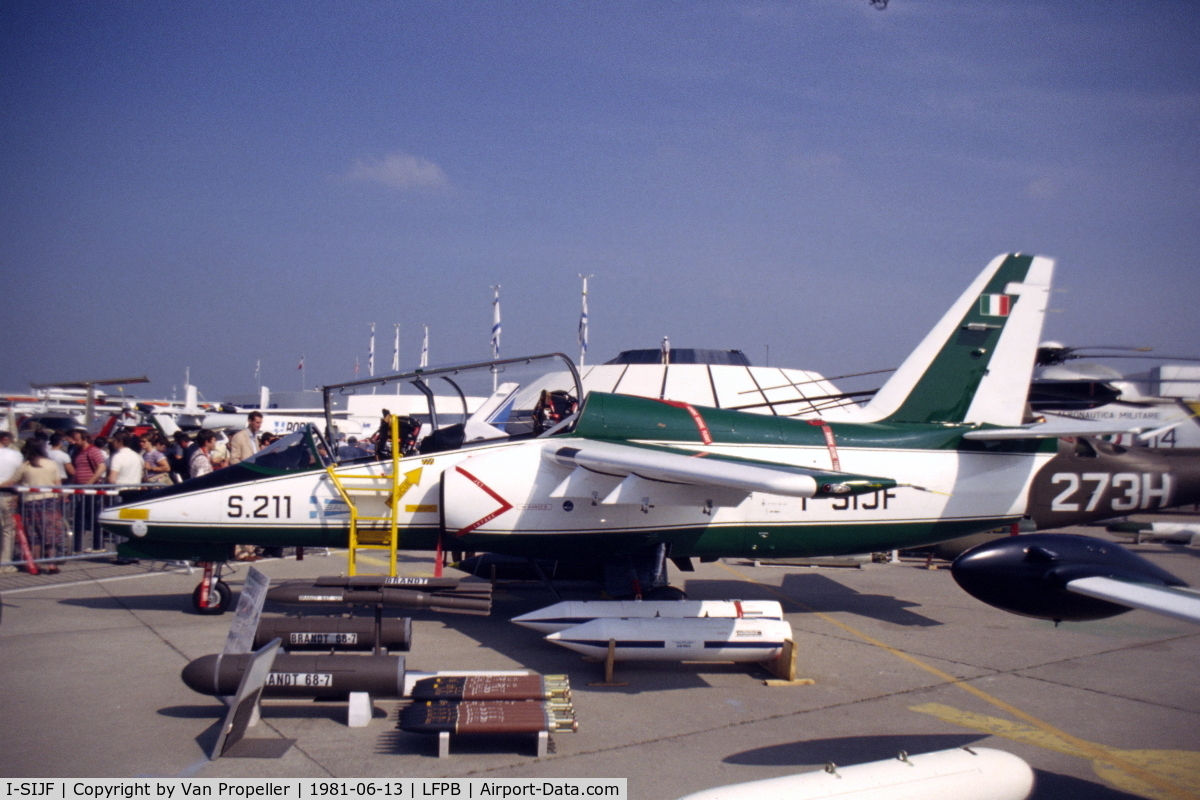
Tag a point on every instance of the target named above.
point(374, 536)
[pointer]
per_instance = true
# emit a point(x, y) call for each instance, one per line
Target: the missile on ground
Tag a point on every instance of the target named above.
point(334, 633)
point(687, 639)
point(493, 687)
point(976, 773)
point(1174, 532)
point(486, 717)
point(570, 613)
point(302, 593)
point(325, 676)
point(395, 581)
point(1029, 574)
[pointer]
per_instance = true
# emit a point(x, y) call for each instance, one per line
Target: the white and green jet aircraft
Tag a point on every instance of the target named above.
point(939, 453)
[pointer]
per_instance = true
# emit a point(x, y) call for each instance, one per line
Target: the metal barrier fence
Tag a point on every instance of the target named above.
point(60, 522)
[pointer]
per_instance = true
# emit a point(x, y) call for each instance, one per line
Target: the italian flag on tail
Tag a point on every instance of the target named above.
point(995, 305)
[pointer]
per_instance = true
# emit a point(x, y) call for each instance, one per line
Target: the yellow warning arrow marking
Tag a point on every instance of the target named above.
point(411, 479)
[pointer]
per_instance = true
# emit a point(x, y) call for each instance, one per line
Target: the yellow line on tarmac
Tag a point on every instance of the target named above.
point(1091, 750)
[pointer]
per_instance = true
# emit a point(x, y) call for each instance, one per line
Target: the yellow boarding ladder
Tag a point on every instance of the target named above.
point(368, 485)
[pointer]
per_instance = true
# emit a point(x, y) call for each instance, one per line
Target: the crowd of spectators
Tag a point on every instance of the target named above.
point(79, 459)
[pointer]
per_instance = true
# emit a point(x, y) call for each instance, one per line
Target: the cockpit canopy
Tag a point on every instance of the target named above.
point(303, 449)
point(446, 408)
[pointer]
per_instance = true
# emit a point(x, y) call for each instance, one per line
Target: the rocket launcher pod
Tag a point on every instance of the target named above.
point(570, 613)
point(486, 717)
point(394, 581)
point(493, 687)
point(976, 773)
point(665, 639)
point(326, 677)
point(334, 633)
point(454, 601)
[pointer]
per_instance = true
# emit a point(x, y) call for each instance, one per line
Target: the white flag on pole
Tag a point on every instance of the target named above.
point(496, 323)
point(371, 354)
point(396, 349)
point(583, 323)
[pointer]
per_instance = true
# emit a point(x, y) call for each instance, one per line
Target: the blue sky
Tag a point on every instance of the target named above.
point(203, 185)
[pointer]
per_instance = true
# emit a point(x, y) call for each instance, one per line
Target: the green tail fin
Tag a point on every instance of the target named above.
point(976, 364)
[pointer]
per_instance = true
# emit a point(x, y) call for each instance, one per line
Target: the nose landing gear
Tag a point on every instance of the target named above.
point(212, 595)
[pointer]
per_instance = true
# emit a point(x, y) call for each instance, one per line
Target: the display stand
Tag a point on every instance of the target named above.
point(242, 714)
point(359, 710)
point(610, 661)
point(783, 667)
point(543, 744)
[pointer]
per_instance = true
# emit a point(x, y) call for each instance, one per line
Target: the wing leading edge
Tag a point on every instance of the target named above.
point(1166, 600)
point(665, 465)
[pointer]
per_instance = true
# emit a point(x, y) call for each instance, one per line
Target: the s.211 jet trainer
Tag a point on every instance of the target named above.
point(510, 457)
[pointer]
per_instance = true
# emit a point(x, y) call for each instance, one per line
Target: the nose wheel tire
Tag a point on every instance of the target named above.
point(219, 597)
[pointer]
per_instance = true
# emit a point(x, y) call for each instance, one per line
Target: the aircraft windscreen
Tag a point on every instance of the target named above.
point(303, 449)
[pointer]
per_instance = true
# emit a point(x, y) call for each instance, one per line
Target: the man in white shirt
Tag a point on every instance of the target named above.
point(66, 470)
point(126, 466)
point(10, 459)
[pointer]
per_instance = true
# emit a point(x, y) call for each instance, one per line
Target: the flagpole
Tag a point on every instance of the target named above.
point(396, 353)
point(495, 330)
point(371, 357)
point(583, 323)
point(496, 322)
point(425, 348)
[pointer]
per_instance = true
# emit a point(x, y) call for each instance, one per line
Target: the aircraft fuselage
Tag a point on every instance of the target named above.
point(513, 497)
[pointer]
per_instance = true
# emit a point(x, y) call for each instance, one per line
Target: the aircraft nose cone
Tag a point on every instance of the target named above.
point(200, 675)
point(1028, 575)
point(997, 573)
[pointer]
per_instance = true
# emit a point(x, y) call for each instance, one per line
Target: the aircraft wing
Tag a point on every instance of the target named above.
point(1166, 600)
point(691, 468)
point(1054, 429)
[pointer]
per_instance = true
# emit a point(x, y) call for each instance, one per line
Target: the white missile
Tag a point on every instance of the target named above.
point(678, 639)
point(978, 773)
point(570, 613)
point(1174, 532)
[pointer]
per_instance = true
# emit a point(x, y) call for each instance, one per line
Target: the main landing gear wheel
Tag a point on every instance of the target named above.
point(219, 597)
point(666, 593)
